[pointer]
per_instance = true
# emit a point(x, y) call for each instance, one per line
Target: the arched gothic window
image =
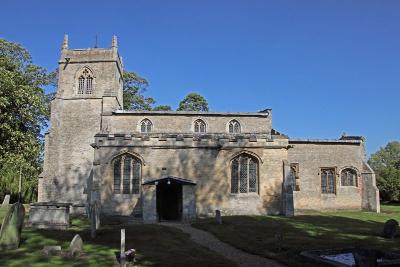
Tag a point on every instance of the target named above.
point(146, 126)
point(200, 126)
point(349, 177)
point(244, 174)
point(234, 127)
point(328, 181)
point(85, 82)
point(127, 175)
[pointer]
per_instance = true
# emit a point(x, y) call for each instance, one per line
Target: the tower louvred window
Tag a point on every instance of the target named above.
point(85, 82)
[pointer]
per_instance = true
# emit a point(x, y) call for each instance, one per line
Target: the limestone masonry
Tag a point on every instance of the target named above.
point(179, 165)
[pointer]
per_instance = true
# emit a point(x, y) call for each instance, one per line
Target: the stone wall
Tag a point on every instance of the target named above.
point(205, 162)
point(75, 119)
point(182, 122)
point(314, 155)
point(370, 201)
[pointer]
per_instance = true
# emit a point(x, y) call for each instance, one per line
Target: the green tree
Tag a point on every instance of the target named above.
point(193, 102)
point(162, 108)
point(386, 164)
point(133, 88)
point(24, 111)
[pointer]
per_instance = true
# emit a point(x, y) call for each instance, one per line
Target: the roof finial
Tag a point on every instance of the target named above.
point(65, 43)
point(114, 42)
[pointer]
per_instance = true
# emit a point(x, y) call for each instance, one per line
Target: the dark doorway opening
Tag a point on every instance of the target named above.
point(169, 200)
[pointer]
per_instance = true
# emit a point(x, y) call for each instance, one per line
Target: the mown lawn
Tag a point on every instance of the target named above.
point(258, 234)
point(156, 245)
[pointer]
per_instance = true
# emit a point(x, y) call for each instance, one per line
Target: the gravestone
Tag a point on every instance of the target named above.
point(218, 217)
point(92, 220)
point(6, 200)
point(122, 252)
point(75, 247)
point(49, 215)
point(11, 228)
point(51, 250)
point(390, 228)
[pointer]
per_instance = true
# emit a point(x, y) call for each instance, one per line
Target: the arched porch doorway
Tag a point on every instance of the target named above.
point(169, 198)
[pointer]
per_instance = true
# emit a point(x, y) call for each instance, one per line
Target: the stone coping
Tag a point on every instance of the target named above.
point(264, 113)
point(189, 135)
point(57, 204)
point(326, 141)
point(179, 180)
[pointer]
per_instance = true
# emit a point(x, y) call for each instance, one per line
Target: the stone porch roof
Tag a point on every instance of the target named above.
point(174, 178)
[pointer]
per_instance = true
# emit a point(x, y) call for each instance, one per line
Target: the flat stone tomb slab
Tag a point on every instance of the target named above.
point(49, 215)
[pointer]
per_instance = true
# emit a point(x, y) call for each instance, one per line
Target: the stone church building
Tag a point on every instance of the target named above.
point(179, 165)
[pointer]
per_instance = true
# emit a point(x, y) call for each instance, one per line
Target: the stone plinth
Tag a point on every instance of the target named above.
point(49, 215)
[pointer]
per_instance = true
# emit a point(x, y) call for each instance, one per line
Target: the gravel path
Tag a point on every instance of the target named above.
point(239, 257)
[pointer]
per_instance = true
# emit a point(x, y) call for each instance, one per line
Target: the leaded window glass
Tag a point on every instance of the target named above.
point(146, 126)
point(136, 177)
point(234, 127)
point(89, 85)
point(81, 85)
point(244, 174)
point(235, 176)
point(328, 181)
point(200, 126)
point(117, 176)
point(252, 175)
point(349, 177)
point(127, 175)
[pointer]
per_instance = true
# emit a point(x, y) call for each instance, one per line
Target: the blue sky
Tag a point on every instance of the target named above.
point(324, 67)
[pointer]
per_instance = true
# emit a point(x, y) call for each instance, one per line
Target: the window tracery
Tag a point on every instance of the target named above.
point(244, 174)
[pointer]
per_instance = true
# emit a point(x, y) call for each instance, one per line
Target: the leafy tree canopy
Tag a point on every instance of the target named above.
point(386, 164)
point(24, 111)
point(134, 87)
point(193, 102)
point(162, 108)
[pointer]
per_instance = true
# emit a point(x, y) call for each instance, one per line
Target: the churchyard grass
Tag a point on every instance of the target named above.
point(3, 211)
point(283, 238)
point(156, 245)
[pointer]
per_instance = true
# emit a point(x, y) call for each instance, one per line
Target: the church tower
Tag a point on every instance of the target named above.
point(89, 86)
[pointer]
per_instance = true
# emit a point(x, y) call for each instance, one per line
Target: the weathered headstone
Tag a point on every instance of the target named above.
point(51, 250)
point(49, 215)
point(122, 254)
point(390, 228)
point(93, 221)
point(75, 247)
point(6, 200)
point(218, 217)
point(11, 228)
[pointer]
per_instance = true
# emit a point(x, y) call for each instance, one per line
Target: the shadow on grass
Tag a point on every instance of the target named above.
point(155, 245)
point(283, 238)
